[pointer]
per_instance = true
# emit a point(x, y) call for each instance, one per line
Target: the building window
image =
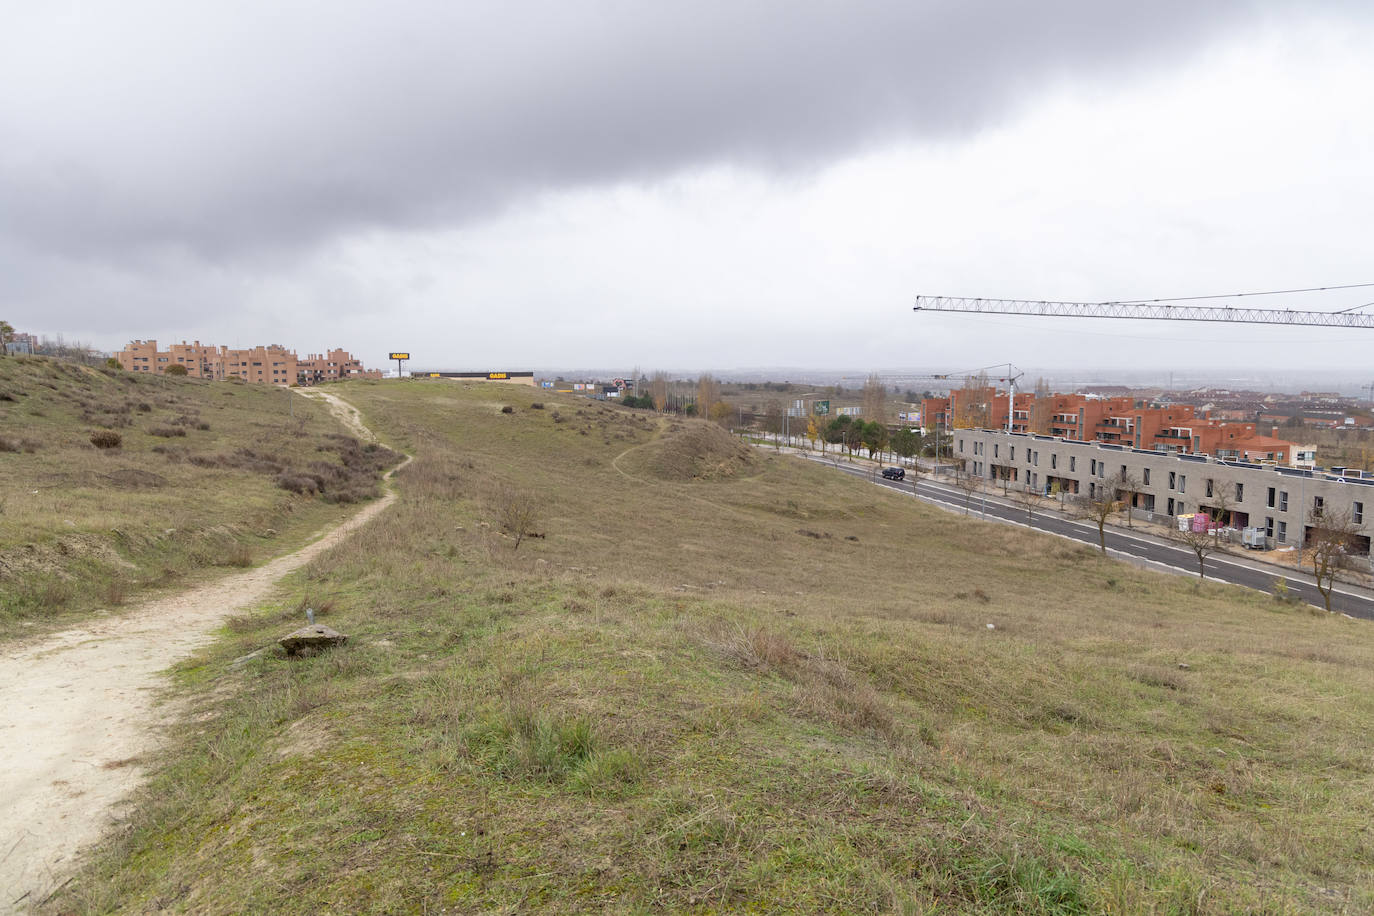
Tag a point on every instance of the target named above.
point(995, 448)
point(1318, 504)
point(1173, 480)
point(1054, 462)
point(1183, 483)
point(1269, 526)
point(1073, 463)
point(1240, 492)
point(961, 445)
point(1012, 454)
point(1209, 488)
point(1146, 476)
point(1092, 467)
point(1283, 532)
point(1283, 500)
point(1357, 513)
point(1270, 502)
point(1035, 459)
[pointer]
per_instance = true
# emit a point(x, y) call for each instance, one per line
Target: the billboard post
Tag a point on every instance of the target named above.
point(400, 358)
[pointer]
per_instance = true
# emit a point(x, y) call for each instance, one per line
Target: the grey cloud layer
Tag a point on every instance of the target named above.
point(255, 128)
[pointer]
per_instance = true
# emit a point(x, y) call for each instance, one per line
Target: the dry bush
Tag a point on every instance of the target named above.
point(753, 647)
point(166, 432)
point(515, 512)
point(106, 438)
point(18, 445)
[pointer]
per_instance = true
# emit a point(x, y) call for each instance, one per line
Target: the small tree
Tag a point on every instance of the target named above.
point(968, 483)
point(1331, 542)
point(1201, 543)
point(1129, 486)
point(1100, 507)
point(516, 512)
point(6, 335)
point(1029, 499)
point(176, 369)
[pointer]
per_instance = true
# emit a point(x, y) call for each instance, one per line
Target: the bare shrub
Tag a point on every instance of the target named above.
point(106, 438)
point(516, 512)
point(753, 647)
point(508, 409)
point(166, 432)
point(298, 483)
point(536, 406)
point(236, 555)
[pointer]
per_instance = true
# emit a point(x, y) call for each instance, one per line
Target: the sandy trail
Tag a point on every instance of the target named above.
point(77, 714)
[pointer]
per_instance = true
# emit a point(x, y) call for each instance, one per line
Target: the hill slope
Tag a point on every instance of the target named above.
point(192, 476)
point(776, 692)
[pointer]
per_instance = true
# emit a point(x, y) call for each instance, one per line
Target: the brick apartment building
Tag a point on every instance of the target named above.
point(272, 364)
point(1176, 428)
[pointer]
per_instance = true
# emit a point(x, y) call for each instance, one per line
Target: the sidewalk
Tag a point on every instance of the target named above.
point(1280, 562)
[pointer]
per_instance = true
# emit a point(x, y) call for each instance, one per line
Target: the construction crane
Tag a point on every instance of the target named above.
point(1156, 309)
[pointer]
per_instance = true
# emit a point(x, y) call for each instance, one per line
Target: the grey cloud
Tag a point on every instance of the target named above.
point(231, 131)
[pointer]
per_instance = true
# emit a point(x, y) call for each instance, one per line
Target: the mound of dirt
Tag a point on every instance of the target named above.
point(698, 451)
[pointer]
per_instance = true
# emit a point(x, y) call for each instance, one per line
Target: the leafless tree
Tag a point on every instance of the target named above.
point(1129, 485)
point(708, 393)
point(1030, 499)
point(1201, 543)
point(1041, 408)
point(875, 400)
point(516, 512)
point(1102, 504)
point(971, 405)
point(658, 389)
point(968, 483)
point(1330, 544)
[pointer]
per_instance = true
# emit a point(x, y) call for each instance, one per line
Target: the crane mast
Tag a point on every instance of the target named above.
point(1147, 310)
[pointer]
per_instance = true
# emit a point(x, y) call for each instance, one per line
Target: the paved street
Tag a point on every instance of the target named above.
point(1138, 546)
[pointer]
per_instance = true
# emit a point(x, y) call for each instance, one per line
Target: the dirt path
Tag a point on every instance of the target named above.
point(77, 715)
point(345, 412)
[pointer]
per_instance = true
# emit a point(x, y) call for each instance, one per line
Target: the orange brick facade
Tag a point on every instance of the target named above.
point(273, 364)
point(1119, 421)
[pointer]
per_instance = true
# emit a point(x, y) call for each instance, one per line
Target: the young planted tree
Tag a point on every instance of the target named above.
point(968, 483)
point(1330, 543)
point(1102, 504)
point(1201, 543)
point(1030, 499)
point(1128, 485)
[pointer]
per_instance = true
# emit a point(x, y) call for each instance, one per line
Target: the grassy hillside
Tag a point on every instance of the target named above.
point(190, 478)
point(713, 682)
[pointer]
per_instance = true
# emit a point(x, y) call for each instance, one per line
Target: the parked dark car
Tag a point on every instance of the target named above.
point(894, 473)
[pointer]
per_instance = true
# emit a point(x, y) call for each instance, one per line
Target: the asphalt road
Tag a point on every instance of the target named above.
point(1139, 547)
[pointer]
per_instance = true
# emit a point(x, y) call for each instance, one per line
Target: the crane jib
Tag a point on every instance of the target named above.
point(1148, 311)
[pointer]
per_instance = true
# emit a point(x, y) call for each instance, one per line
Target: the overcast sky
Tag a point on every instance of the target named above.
point(690, 186)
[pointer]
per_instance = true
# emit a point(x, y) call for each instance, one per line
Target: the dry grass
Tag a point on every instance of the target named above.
point(675, 702)
point(94, 518)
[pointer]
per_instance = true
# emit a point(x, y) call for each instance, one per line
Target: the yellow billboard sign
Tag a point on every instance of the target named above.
point(399, 356)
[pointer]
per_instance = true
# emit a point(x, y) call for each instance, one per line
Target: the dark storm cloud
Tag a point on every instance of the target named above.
point(267, 126)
